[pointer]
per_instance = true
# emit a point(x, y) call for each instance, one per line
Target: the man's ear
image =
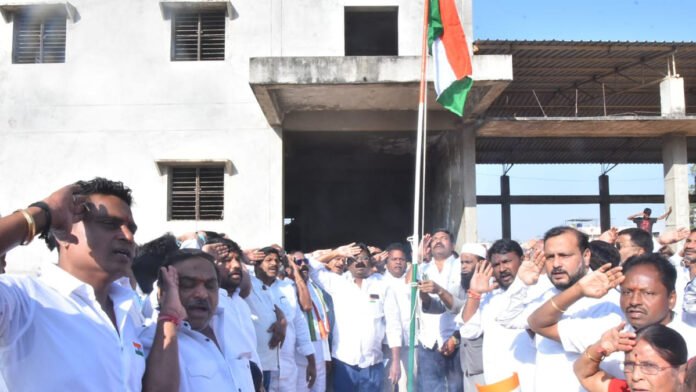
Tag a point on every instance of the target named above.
point(586, 255)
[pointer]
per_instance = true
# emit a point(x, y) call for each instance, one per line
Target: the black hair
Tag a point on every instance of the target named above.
point(602, 252)
point(647, 211)
point(363, 248)
point(640, 238)
point(446, 231)
point(182, 255)
point(668, 343)
point(583, 240)
point(97, 186)
point(149, 258)
point(396, 246)
point(668, 274)
point(503, 246)
point(231, 245)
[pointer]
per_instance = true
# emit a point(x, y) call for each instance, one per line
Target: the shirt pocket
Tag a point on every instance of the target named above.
point(202, 368)
point(375, 305)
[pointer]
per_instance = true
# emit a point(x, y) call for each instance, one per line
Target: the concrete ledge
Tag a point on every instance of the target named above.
point(285, 85)
point(7, 8)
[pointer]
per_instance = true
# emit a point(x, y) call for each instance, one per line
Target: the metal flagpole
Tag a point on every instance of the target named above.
point(415, 239)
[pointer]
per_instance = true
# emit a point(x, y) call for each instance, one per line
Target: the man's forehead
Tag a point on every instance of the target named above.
point(440, 235)
point(195, 267)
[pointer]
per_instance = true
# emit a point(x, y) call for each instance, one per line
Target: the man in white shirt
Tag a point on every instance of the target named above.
point(505, 351)
point(268, 293)
point(395, 277)
point(366, 310)
point(566, 257)
point(193, 345)
point(76, 325)
point(234, 285)
point(439, 367)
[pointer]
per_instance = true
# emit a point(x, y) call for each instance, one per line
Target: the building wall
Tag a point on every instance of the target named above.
point(118, 104)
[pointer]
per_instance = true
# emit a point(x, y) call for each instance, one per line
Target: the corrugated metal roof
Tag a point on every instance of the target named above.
point(623, 76)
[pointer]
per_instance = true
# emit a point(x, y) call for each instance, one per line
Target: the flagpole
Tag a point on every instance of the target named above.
point(415, 239)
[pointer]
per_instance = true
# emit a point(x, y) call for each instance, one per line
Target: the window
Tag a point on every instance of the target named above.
point(198, 35)
point(197, 193)
point(39, 37)
point(371, 31)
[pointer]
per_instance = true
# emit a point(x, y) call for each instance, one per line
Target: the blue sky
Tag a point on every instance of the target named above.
point(598, 20)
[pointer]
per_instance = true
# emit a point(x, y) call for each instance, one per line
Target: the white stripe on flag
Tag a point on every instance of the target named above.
point(444, 75)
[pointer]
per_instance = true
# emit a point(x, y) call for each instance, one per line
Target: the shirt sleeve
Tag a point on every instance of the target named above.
point(303, 342)
point(472, 329)
point(578, 333)
point(16, 310)
point(392, 317)
point(326, 279)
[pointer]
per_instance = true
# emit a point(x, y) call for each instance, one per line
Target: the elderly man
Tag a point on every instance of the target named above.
point(439, 367)
point(76, 325)
point(193, 346)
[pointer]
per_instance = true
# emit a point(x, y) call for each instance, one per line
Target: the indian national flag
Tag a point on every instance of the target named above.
point(450, 54)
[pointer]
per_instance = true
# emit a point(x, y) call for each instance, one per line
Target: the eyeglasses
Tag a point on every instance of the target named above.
point(362, 258)
point(648, 368)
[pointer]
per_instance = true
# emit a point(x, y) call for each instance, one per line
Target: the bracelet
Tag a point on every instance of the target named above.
point(31, 227)
point(591, 358)
point(472, 294)
point(168, 317)
point(556, 306)
point(47, 214)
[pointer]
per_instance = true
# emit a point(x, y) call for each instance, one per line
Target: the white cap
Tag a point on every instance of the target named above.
point(475, 249)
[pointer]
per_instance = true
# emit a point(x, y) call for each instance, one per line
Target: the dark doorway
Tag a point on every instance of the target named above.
point(342, 187)
point(371, 31)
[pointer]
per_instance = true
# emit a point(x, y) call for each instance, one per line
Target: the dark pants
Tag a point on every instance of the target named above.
point(347, 378)
point(437, 373)
point(266, 379)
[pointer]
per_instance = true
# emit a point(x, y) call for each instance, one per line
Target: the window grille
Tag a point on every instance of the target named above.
point(38, 38)
point(197, 193)
point(198, 36)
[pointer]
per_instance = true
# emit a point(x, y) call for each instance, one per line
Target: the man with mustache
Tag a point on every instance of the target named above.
point(566, 258)
point(366, 311)
point(193, 346)
point(270, 294)
point(504, 350)
point(439, 367)
point(235, 284)
point(395, 276)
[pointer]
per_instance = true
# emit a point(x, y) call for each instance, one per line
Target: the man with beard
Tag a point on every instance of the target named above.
point(193, 346)
point(234, 283)
point(504, 350)
point(439, 367)
point(470, 354)
point(270, 294)
point(366, 312)
point(566, 257)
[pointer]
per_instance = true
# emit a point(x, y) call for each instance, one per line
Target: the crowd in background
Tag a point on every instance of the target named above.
point(196, 311)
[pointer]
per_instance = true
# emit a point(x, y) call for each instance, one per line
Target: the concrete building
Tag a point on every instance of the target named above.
point(305, 111)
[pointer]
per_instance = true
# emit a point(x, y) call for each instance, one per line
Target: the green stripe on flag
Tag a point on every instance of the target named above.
point(435, 27)
point(453, 98)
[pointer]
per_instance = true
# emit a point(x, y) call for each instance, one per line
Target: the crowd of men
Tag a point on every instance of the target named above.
point(197, 312)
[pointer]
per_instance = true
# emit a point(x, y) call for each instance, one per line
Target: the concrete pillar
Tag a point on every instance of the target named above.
point(604, 206)
point(505, 206)
point(672, 96)
point(676, 169)
point(468, 227)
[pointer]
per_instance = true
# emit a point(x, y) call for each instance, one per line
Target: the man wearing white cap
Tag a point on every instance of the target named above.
point(470, 355)
point(505, 351)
